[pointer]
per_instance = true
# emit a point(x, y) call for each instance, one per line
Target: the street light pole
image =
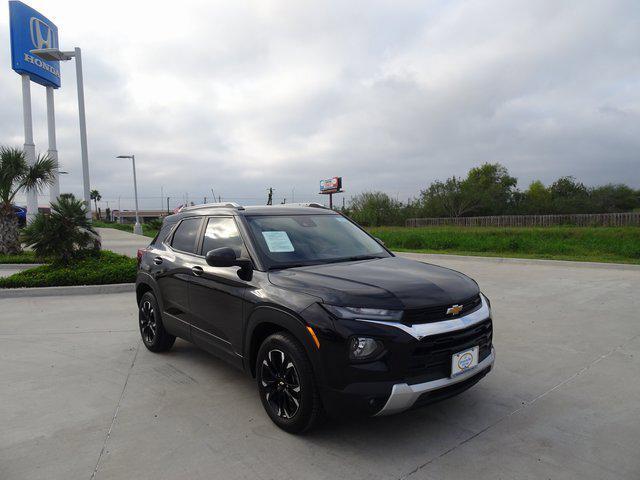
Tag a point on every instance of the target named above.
point(137, 228)
point(83, 131)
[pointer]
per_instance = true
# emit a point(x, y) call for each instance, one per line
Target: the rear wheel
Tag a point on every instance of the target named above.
point(286, 384)
point(153, 334)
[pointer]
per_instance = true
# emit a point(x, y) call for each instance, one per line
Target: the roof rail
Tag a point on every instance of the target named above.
point(235, 205)
point(303, 204)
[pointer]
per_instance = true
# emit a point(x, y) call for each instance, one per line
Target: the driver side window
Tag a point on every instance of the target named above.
point(223, 232)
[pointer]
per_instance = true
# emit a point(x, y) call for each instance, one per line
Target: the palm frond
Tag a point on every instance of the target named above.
point(41, 173)
point(13, 168)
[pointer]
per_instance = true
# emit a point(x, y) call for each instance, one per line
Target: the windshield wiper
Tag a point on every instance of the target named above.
point(353, 258)
point(290, 265)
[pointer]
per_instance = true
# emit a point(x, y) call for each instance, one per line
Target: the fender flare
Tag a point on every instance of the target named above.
point(146, 279)
point(287, 320)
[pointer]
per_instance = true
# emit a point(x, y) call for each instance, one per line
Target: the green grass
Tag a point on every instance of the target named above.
point(147, 230)
point(594, 244)
point(106, 268)
point(24, 257)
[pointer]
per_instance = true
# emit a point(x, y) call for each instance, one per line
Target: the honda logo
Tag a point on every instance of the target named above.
point(41, 34)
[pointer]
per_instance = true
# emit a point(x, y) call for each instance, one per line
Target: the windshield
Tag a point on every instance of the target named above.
point(296, 240)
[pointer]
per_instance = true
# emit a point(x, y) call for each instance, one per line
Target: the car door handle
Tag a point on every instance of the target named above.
point(197, 271)
point(157, 260)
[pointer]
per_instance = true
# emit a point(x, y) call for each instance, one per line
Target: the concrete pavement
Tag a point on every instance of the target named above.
point(121, 242)
point(81, 395)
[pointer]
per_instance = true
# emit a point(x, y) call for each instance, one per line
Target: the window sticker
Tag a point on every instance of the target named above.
point(278, 241)
point(342, 219)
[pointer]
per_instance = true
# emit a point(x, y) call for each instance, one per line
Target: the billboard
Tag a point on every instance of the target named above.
point(331, 185)
point(30, 30)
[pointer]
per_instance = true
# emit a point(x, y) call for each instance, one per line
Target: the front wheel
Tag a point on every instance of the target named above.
point(153, 334)
point(286, 384)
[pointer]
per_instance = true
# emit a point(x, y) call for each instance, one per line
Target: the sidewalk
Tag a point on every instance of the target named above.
point(122, 242)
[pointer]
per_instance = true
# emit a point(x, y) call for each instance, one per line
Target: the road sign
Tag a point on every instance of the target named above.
point(31, 30)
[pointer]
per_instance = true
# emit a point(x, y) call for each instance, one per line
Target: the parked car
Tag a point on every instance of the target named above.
point(324, 317)
point(21, 213)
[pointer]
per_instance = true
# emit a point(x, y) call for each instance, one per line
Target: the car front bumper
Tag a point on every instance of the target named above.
point(404, 396)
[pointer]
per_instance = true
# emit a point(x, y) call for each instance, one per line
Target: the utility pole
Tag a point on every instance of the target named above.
point(161, 197)
point(270, 196)
point(168, 211)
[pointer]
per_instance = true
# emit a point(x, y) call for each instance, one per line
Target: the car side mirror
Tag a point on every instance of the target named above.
point(226, 257)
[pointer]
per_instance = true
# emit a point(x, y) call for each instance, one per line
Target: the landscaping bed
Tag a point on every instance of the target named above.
point(102, 269)
point(593, 244)
point(24, 257)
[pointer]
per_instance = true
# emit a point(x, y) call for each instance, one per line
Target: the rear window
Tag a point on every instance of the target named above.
point(186, 235)
point(163, 233)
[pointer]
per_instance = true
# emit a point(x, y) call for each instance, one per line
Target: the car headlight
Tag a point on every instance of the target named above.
point(355, 313)
point(364, 348)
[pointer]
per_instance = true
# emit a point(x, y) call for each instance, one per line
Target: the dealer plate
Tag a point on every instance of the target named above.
point(463, 361)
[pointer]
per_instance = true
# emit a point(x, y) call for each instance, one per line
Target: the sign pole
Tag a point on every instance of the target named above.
point(83, 132)
point(29, 146)
point(54, 190)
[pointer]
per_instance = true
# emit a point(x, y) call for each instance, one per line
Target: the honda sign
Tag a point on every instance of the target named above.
point(32, 31)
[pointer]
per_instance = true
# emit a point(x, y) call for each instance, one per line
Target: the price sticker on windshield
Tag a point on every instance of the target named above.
point(278, 241)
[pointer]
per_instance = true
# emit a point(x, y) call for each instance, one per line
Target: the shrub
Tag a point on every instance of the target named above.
point(102, 269)
point(64, 234)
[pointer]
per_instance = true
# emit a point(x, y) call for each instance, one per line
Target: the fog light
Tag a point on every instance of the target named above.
point(363, 348)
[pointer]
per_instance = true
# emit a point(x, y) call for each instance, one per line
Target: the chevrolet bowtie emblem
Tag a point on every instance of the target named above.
point(454, 309)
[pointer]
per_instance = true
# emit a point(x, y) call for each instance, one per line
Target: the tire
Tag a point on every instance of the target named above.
point(153, 334)
point(285, 378)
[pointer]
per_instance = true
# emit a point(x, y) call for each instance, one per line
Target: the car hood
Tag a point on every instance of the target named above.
point(393, 283)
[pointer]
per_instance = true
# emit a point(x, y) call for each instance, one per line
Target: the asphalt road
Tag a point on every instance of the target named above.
point(81, 397)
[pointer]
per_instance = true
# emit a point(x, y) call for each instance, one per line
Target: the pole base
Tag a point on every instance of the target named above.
point(137, 229)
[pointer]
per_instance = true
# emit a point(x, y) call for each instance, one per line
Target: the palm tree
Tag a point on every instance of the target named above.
point(96, 197)
point(17, 175)
point(65, 233)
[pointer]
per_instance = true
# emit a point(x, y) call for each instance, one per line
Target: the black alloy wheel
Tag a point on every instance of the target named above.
point(286, 383)
point(153, 334)
point(280, 383)
point(148, 325)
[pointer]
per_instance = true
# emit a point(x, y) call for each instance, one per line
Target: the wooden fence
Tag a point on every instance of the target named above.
point(577, 219)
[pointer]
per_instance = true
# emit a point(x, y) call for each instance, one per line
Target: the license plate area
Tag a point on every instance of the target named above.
point(464, 361)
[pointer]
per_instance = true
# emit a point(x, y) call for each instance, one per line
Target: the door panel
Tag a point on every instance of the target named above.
point(216, 294)
point(172, 272)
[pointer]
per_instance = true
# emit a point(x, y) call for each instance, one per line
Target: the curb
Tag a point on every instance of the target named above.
point(521, 261)
point(13, 266)
point(63, 291)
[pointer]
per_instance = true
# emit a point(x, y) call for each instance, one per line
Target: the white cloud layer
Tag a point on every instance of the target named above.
point(240, 96)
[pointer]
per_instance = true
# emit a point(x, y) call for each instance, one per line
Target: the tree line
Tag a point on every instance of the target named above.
point(490, 190)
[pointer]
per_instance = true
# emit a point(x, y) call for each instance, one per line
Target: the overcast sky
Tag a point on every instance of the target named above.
point(239, 96)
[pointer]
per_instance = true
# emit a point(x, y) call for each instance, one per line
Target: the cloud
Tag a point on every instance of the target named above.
point(241, 96)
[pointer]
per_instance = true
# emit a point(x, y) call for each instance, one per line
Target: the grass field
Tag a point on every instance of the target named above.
point(594, 244)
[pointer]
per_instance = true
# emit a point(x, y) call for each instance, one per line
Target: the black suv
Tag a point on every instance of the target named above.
point(318, 311)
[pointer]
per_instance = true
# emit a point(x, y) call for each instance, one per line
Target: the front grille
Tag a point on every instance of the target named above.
point(438, 313)
point(431, 359)
point(446, 392)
